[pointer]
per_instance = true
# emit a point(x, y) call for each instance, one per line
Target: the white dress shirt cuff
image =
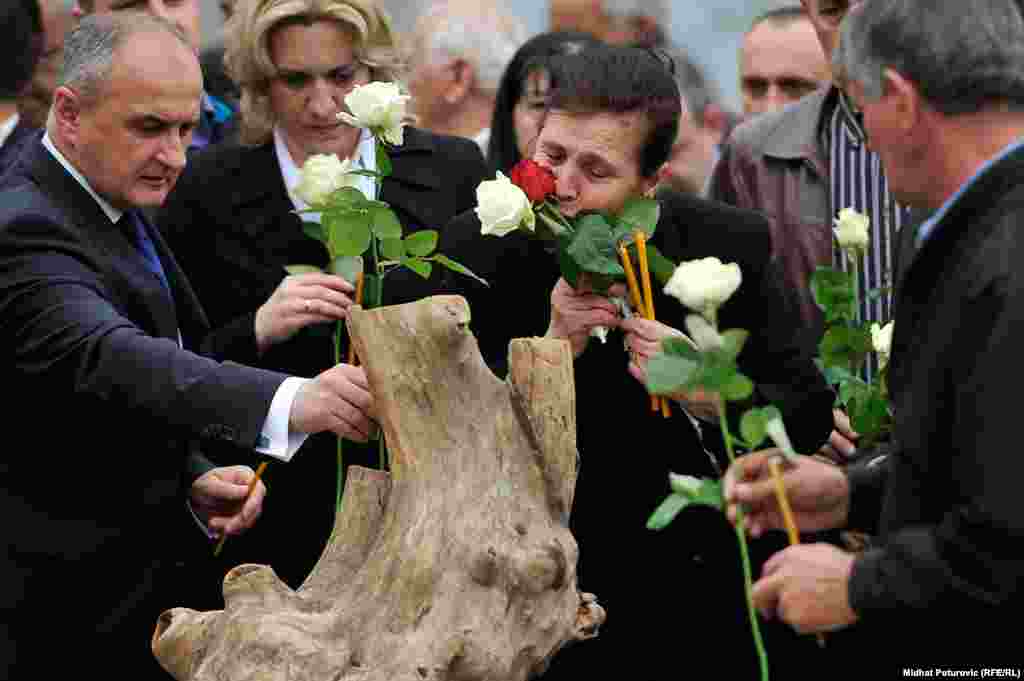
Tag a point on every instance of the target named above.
point(276, 439)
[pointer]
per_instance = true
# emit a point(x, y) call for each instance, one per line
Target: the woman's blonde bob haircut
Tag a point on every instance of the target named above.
point(247, 49)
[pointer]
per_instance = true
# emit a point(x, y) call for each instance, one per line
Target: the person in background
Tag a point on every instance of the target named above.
point(232, 223)
point(610, 123)
point(104, 485)
point(800, 166)
point(215, 78)
point(941, 88)
point(21, 37)
point(34, 103)
point(217, 120)
point(459, 50)
point(780, 60)
point(703, 125)
point(522, 96)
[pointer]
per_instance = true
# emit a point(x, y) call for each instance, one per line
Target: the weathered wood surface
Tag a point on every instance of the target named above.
point(459, 564)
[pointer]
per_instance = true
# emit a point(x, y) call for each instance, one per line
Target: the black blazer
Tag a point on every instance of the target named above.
point(951, 523)
point(647, 580)
point(105, 408)
point(12, 145)
point(232, 227)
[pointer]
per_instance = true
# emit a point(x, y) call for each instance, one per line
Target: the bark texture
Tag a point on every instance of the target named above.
point(458, 564)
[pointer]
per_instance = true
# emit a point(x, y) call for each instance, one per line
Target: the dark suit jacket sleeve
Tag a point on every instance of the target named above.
point(970, 559)
point(68, 331)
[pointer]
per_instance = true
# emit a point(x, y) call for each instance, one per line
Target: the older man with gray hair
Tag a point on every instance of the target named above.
point(459, 51)
point(941, 88)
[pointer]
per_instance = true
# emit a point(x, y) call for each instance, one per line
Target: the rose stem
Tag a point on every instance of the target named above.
point(352, 359)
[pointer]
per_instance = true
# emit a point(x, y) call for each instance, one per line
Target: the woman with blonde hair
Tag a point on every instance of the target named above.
point(232, 223)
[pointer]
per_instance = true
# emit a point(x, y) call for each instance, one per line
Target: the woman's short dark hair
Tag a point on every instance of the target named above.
point(22, 45)
point(503, 148)
point(622, 80)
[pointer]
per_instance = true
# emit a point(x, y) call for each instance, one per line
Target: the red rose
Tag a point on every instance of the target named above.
point(536, 181)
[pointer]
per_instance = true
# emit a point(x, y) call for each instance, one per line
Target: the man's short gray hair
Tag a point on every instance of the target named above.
point(962, 56)
point(480, 33)
point(89, 48)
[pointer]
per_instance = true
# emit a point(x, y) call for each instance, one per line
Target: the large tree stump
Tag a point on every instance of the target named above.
point(459, 565)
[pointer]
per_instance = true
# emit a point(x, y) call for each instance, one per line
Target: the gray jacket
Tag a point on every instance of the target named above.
point(775, 163)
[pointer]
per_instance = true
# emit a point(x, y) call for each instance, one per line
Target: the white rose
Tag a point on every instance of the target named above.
point(378, 106)
point(702, 333)
point(321, 175)
point(502, 207)
point(852, 230)
point(881, 341)
point(703, 285)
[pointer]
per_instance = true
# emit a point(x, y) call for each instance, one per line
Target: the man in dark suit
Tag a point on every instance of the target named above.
point(941, 86)
point(21, 41)
point(232, 223)
point(105, 403)
point(610, 126)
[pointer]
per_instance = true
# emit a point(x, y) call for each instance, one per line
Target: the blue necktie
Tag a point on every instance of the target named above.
point(145, 246)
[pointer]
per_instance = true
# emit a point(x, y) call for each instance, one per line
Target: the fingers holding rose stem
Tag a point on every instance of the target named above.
point(357, 301)
point(252, 485)
point(787, 514)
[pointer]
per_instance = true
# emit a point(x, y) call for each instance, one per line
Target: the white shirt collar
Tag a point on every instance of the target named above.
point(7, 127)
point(113, 213)
point(365, 157)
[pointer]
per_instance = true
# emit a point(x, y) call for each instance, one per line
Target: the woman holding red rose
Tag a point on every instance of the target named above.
point(611, 121)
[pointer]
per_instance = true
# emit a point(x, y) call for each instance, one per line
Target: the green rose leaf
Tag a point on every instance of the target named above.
point(383, 160)
point(454, 266)
point(844, 346)
point(869, 414)
point(734, 340)
point(420, 267)
point(752, 427)
point(314, 230)
point(714, 376)
point(348, 233)
point(421, 243)
point(392, 249)
point(834, 293)
point(592, 247)
point(668, 374)
point(301, 269)
point(667, 511)
point(346, 198)
point(639, 213)
point(738, 388)
point(386, 224)
point(682, 347)
point(661, 267)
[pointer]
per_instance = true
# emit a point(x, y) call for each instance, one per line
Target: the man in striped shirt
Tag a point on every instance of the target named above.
point(801, 165)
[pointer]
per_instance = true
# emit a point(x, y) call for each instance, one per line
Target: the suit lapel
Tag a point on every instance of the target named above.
point(144, 288)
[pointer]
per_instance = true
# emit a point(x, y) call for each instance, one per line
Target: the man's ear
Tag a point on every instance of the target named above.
point(66, 113)
point(463, 80)
point(715, 119)
point(906, 100)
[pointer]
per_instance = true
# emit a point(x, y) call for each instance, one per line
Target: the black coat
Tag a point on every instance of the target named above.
point(657, 586)
point(105, 409)
point(231, 224)
point(949, 565)
point(11, 146)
